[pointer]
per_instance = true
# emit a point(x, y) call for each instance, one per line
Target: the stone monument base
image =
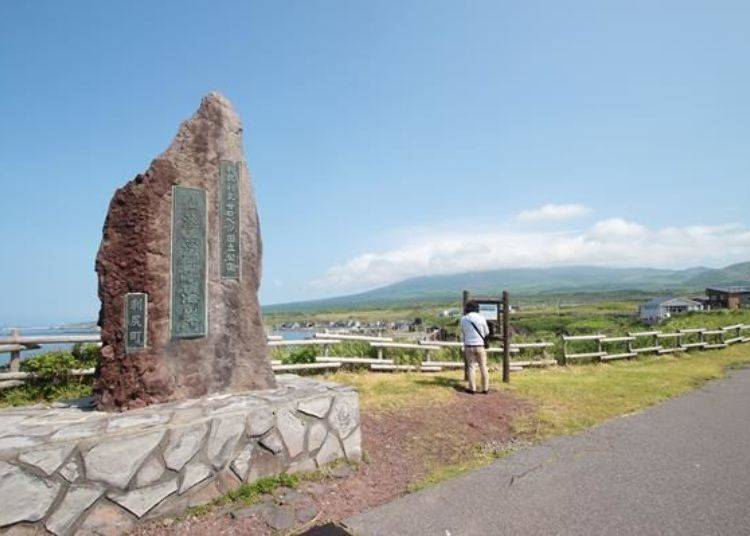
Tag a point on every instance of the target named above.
point(72, 470)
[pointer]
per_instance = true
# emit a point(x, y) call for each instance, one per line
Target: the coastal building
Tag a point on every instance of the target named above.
point(728, 296)
point(659, 309)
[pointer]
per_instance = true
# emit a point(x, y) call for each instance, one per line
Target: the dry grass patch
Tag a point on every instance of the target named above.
point(570, 399)
point(385, 391)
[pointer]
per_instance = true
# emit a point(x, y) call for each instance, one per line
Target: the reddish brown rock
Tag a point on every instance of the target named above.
point(135, 257)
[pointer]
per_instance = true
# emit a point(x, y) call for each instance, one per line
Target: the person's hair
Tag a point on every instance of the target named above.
point(471, 307)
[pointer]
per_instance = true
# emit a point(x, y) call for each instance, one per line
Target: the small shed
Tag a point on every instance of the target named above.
point(659, 309)
point(729, 296)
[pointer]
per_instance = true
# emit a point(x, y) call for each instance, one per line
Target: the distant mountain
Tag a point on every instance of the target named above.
point(736, 274)
point(533, 281)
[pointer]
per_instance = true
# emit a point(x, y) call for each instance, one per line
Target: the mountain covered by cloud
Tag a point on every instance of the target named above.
point(614, 242)
point(532, 281)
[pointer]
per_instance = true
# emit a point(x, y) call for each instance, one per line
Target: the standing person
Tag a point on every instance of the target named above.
point(475, 332)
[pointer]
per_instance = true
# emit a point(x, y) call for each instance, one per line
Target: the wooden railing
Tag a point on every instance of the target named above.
point(16, 343)
point(645, 342)
point(426, 349)
point(602, 348)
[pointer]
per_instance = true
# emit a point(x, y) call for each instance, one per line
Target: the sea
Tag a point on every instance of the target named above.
point(290, 335)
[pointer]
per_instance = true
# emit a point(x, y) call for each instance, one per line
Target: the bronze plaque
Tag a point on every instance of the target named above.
point(229, 186)
point(136, 321)
point(188, 318)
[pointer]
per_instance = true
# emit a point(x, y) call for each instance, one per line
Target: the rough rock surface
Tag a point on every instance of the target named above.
point(25, 497)
point(142, 500)
point(183, 444)
point(292, 431)
point(106, 519)
point(48, 460)
point(316, 435)
point(73, 505)
point(135, 256)
point(195, 473)
point(116, 461)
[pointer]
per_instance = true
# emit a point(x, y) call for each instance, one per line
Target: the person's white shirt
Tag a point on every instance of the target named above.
point(471, 337)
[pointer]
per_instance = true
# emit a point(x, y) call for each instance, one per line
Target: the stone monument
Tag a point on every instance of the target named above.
point(179, 269)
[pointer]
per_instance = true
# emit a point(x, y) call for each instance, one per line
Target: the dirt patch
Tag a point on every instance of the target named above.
point(401, 448)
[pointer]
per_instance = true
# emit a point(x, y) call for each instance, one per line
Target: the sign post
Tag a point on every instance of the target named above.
point(506, 337)
point(463, 354)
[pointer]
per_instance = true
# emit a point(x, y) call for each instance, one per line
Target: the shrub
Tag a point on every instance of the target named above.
point(87, 354)
point(51, 367)
point(303, 354)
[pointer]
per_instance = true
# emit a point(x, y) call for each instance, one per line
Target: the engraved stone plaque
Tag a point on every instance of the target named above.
point(136, 321)
point(188, 314)
point(229, 178)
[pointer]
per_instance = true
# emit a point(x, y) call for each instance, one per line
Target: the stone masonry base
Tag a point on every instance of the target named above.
point(71, 470)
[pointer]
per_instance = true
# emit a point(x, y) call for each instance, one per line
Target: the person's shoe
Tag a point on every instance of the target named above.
point(469, 391)
point(486, 392)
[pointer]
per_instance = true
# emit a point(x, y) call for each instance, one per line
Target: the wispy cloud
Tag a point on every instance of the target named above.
point(553, 212)
point(611, 242)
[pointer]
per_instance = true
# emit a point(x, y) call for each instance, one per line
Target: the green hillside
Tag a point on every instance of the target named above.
point(533, 281)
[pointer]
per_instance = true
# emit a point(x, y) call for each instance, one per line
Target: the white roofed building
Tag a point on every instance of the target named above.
point(659, 309)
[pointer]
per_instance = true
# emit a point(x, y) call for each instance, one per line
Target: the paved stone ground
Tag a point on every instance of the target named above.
point(680, 468)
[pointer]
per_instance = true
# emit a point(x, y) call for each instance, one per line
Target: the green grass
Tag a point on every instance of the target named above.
point(35, 393)
point(566, 400)
point(570, 399)
point(379, 391)
point(246, 494)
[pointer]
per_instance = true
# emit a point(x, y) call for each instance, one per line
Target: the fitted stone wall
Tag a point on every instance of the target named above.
point(73, 470)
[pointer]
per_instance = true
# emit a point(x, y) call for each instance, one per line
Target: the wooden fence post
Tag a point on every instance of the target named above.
point(506, 337)
point(15, 355)
point(464, 301)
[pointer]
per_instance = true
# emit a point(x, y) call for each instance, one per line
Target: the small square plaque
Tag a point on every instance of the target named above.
point(136, 321)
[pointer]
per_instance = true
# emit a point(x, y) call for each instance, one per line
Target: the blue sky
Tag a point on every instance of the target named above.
point(385, 139)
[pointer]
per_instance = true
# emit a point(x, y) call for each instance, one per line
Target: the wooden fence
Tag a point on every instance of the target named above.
point(604, 348)
point(16, 343)
point(425, 350)
point(601, 348)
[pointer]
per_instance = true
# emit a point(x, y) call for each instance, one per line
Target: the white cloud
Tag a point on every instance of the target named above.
point(612, 242)
point(553, 212)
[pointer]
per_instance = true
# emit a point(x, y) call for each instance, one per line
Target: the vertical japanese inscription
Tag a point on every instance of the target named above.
point(188, 262)
point(136, 321)
point(229, 181)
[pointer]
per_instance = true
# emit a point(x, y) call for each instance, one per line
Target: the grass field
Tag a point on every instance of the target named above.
point(534, 319)
point(568, 399)
point(565, 399)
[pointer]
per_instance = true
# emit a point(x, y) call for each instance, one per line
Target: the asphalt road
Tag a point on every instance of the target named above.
point(680, 468)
